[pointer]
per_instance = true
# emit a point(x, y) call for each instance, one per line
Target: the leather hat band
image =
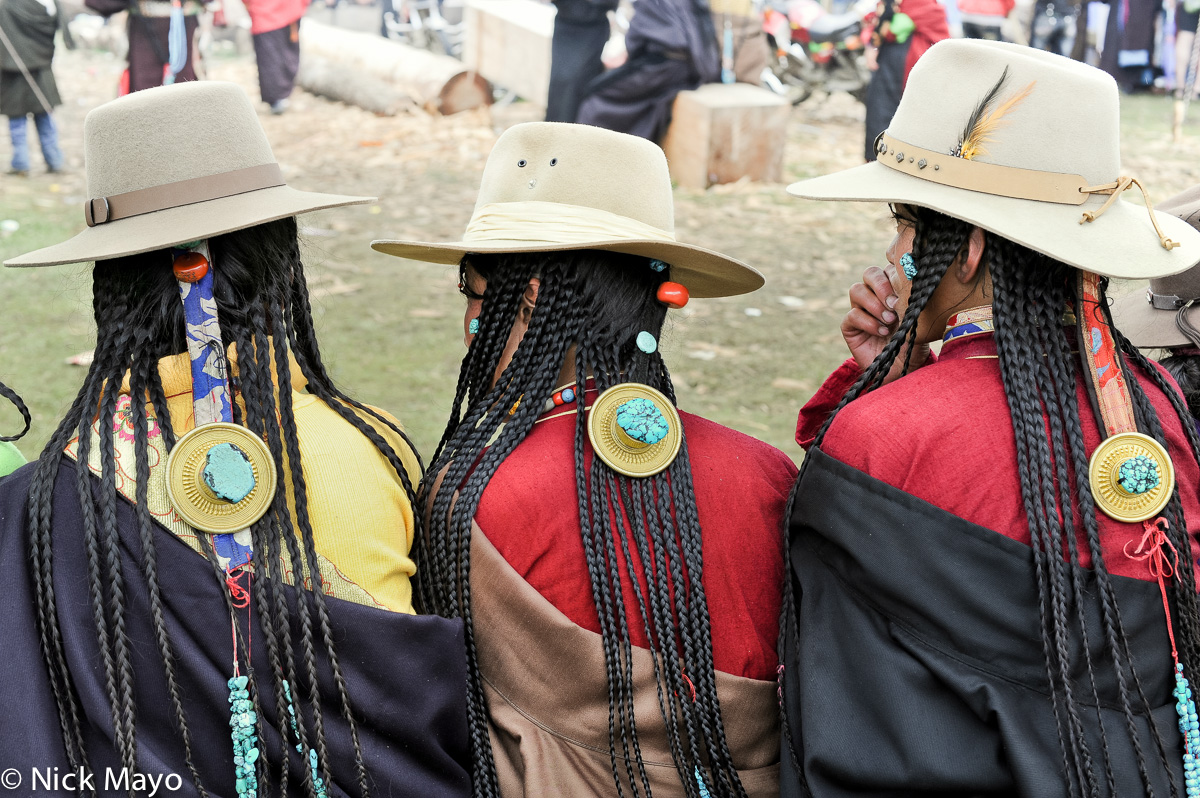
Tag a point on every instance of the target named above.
point(986, 178)
point(101, 210)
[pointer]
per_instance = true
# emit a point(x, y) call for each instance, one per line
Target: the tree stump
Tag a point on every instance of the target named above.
point(723, 132)
point(508, 41)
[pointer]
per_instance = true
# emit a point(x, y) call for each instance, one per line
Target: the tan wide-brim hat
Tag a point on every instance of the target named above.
point(553, 187)
point(1147, 317)
point(172, 165)
point(1055, 133)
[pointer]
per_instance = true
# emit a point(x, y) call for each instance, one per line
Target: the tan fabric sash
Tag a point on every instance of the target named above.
point(556, 223)
point(547, 698)
point(184, 192)
point(986, 178)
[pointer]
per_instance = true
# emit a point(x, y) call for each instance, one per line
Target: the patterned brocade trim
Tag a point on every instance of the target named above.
point(333, 581)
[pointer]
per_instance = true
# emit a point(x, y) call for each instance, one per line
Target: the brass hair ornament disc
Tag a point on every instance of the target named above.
point(1104, 474)
point(195, 502)
point(623, 453)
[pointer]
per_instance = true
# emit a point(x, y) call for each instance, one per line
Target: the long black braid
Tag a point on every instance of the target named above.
point(14, 397)
point(263, 303)
point(1041, 373)
point(649, 528)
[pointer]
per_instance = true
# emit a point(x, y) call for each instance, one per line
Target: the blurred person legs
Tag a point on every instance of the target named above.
point(48, 138)
point(1185, 38)
point(278, 55)
point(883, 92)
point(148, 45)
point(581, 30)
point(20, 146)
point(275, 25)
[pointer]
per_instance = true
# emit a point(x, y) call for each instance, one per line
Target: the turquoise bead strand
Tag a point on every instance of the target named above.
point(1189, 726)
point(314, 769)
point(244, 733)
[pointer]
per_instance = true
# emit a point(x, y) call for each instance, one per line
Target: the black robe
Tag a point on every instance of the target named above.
point(917, 668)
point(405, 674)
point(672, 46)
point(30, 31)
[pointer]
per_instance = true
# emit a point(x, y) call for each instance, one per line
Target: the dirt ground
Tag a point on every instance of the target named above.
point(392, 329)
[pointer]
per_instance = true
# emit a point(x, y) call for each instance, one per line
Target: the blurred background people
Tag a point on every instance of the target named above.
point(275, 26)
point(27, 86)
point(581, 29)
point(672, 46)
point(982, 19)
point(904, 30)
point(157, 56)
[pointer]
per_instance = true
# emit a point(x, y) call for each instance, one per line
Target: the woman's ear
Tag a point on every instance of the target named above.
point(968, 262)
point(529, 299)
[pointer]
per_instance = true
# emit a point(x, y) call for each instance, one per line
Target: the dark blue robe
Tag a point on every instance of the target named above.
point(405, 674)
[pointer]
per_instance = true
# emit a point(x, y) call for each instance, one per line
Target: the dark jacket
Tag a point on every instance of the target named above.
point(30, 30)
point(917, 670)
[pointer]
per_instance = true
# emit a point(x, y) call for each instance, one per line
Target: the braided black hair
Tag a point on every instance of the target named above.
point(596, 302)
point(14, 397)
point(1039, 371)
point(263, 304)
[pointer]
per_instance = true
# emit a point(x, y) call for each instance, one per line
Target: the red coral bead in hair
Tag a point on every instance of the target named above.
point(190, 267)
point(673, 295)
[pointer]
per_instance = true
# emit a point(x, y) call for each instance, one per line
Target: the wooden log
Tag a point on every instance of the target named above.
point(508, 42)
point(326, 78)
point(439, 83)
point(720, 133)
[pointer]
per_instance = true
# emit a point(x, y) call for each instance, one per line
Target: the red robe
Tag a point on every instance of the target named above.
point(929, 17)
point(530, 513)
point(944, 435)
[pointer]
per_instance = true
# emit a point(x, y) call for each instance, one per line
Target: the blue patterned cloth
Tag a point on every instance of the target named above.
point(211, 399)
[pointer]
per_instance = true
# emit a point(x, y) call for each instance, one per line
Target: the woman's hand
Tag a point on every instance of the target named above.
point(875, 311)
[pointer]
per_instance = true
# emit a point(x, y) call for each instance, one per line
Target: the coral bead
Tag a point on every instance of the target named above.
point(190, 267)
point(673, 295)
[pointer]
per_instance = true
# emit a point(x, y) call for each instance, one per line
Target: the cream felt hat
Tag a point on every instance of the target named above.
point(551, 187)
point(1042, 165)
point(1148, 318)
point(175, 164)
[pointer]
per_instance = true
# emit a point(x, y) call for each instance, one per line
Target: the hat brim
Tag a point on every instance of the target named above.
point(1120, 243)
point(1146, 326)
point(703, 272)
point(166, 228)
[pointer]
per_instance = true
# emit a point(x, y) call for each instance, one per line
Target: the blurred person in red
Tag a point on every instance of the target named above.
point(904, 30)
point(275, 25)
point(982, 19)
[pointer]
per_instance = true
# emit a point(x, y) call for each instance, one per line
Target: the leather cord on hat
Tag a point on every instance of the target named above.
point(1114, 190)
point(1185, 325)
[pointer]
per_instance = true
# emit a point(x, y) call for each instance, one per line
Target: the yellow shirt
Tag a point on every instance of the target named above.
point(361, 518)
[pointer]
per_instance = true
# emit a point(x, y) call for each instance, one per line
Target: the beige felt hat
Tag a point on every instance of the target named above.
point(1045, 159)
point(1148, 318)
point(551, 187)
point(175, 164)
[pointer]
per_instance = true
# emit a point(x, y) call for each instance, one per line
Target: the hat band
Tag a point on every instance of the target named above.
point(536, 222)
point(985, 178)
point(101, 210)
point(1165, 301)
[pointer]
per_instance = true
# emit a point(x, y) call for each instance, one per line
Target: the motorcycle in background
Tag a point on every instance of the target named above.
point(815, 50)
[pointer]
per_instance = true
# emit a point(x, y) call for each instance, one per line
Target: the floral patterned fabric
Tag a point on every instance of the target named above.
point(333, 581)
